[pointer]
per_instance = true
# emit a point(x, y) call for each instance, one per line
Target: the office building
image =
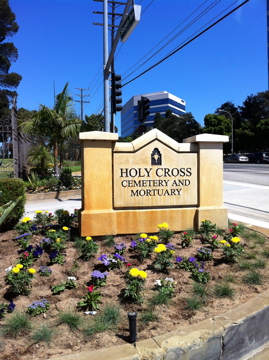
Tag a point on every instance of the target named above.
point(160, 102)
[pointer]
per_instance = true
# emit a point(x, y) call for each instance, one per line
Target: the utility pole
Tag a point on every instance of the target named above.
point(108, 58)
point(81, 95)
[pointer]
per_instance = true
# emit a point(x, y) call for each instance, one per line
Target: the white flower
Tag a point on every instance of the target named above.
point(90, 312)
point(72, 278)
point(8, 269)
point(158, 282)
point(169, 280)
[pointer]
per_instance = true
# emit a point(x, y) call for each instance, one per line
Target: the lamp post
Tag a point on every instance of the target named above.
point(232, 122)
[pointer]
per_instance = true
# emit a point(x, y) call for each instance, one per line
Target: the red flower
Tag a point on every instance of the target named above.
point(185, 233)
point(234, 224)
point(25, 254)
point(128, 264)
point(90, 288)
point(230, 230)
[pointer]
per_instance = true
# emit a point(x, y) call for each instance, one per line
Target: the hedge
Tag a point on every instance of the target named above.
point(10, 190)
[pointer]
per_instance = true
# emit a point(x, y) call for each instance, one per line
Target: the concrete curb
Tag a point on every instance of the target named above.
point(53, 195)
point(235, 335)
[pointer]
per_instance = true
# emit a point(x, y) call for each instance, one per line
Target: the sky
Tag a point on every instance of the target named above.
point(58, 43)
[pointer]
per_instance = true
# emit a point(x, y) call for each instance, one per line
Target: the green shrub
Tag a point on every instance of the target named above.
point(11, 189)
point(66, 177)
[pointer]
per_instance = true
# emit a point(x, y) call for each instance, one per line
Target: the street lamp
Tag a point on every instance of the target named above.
point(232, 121)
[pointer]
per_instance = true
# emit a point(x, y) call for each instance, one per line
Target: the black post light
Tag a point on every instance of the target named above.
point(132, 326)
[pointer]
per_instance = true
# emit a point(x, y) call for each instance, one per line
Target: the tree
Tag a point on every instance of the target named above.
point(178, 127)
point(218, 124)
point(93, 123)
point(57, 124)
point(9, 81)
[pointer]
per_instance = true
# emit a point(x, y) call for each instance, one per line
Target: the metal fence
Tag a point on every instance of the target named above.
point(9, 160)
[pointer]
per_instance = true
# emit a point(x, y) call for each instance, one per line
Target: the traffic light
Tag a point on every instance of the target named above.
point(116, 100)
point(143, 108)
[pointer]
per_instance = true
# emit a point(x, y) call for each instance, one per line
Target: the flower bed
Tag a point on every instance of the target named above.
point(68, 287)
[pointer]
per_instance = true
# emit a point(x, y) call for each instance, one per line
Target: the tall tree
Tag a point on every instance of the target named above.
point(9, 81)
point(57, 124)
point(178, 127)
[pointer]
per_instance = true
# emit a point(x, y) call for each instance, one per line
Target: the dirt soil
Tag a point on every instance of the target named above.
point(170, 317)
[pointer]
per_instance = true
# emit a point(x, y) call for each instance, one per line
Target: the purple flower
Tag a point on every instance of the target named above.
point(141, 239)
point(179, 259)
point(29, 248)
point(133, 244)
point(99, 275)
point(38, 251)
point(192, 259)
point(119, 257)
point(102, 257)
point(23, 235)
point(120, 246)
point(54, 254)
point(11, 306)
point(170, 246)
point(201, 270)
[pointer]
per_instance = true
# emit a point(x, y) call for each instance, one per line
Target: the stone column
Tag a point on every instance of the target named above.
point(97, 190)
point(210, 178)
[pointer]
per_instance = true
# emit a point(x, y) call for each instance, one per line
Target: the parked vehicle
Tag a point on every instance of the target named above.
point(235, 158)
point(259, 157)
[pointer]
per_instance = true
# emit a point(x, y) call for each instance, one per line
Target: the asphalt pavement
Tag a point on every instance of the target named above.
point(247, 203)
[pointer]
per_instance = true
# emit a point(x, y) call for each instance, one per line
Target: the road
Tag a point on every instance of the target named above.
point(246, 192)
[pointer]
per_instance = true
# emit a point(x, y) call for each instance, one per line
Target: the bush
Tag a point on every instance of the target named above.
point(66, 177)
point(11, 189)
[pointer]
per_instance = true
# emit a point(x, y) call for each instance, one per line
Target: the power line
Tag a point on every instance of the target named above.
point(185, 44)
point(175, 36)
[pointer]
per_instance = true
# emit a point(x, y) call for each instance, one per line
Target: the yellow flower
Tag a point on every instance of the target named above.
point(154, 238)
point(148, 240)
point(66, 213)
point(65, 228)
point(235, 240)
point(143, 236)
point(15, 270)
point(19, 266)
point(164, 226)
point(25, 219)
point(134, 272)
point(52, 230)
point(142, 274)
point(88, 238)
point(223, 241)
point(228, 245)
point(58, 240)
point(31, 271)
point(38, 211)
point(46, 211)
point(160, 248)
point(172, 252)
point(202, 220)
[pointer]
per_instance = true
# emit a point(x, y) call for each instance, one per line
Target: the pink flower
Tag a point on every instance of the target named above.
point(234, 224)
point(128, 264)
point(230, 230)
point(90, 288)
point(214, 237)
point(25, 254)
point(185, 233)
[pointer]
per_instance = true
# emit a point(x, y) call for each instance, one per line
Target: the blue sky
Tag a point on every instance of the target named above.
point(58, 43)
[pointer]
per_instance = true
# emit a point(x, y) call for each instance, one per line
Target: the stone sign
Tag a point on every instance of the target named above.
point(132, 187)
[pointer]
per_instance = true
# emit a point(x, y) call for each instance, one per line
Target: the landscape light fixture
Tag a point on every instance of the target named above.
point(132, 326)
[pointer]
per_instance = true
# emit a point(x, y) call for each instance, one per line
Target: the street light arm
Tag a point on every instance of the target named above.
point(232, 123)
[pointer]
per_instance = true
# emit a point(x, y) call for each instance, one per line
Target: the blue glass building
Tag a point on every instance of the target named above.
point(160, 102)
